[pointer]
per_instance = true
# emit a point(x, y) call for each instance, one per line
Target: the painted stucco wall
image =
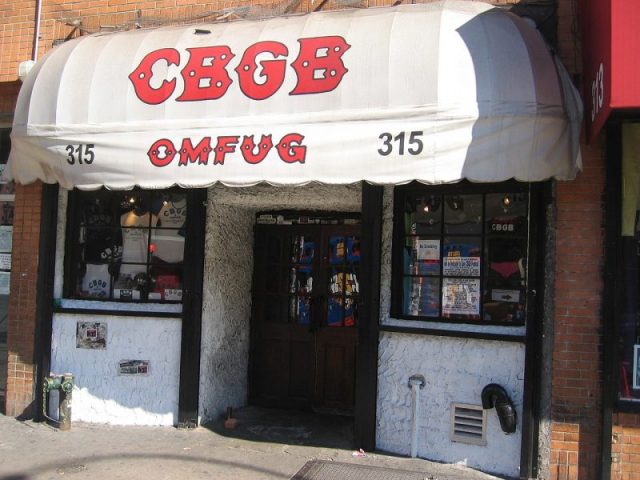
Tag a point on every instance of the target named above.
point(100, 394)
point(227, 280)
point(456, 370)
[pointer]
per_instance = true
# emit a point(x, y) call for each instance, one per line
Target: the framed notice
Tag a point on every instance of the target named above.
point(91, 335)
point(636, 366)
point(460, 296)
point(461, 266)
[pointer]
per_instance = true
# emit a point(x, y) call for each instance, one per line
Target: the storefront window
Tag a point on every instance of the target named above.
point(629, 321)
point(461, 255)
point(126, 246)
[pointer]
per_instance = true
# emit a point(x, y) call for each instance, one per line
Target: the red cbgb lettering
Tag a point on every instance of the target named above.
point(319, 65)
point(290, 150)
point(273, 71)
point(261, 72)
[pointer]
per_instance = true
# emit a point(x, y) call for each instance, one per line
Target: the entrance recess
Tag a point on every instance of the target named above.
point(305, 314)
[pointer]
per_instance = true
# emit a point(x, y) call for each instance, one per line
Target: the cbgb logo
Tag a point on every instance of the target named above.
point(260, 74)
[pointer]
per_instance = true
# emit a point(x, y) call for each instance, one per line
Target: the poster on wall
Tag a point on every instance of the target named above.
point(6, 235)
point(636, 366)
point(461, 266)
point(133, 367)
point(91, 335)
point(460, 296)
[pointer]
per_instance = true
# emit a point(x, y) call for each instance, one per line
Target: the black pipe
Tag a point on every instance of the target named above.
point(493, 395)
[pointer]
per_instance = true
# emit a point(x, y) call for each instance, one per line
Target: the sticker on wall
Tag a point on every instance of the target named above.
point(133, 367)
point(5, 281)
point(91, 335)
point(460, 296)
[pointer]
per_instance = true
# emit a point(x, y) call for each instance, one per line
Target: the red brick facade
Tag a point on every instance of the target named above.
point(577, 364)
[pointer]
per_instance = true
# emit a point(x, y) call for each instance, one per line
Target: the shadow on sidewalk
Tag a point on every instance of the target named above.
point(290, 427)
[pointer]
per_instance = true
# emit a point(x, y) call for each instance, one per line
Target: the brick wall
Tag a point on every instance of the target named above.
point(576, 372)
point(22, 303)
point(625, 448)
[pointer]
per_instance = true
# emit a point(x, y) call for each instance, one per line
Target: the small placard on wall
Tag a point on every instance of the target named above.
point(91, 335)
point(5, 261)
point(133, 367)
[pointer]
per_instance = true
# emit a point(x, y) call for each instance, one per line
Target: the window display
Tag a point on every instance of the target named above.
point(463, 256)
point(126, 246)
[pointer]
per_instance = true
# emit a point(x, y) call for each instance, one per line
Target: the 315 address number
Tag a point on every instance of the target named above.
point(404, 142)
point(80, 154)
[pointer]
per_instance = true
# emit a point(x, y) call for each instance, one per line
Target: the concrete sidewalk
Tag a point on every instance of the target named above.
point(30, 450)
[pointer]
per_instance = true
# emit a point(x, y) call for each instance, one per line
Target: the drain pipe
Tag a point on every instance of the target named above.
point(416, 383)
point(36, 31)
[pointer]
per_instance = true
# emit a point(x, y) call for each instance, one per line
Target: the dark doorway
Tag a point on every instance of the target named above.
point(305, 316)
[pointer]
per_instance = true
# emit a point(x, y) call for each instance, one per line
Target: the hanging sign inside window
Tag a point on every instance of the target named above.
point(461, 266)
point(499, 295)
point(460, 296)
point(428, 249)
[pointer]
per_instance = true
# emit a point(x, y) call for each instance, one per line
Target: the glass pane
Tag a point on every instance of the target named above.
point(343, 291)
point(421, 296)
point(461, 298)
point(163, 283)
point(136, 221)
point(353, 249)
point(301, 280)
point(168, 238)
point(96, 281)
point(461, 256)
point(422, 256)
point(506, 213)
point(463, 214)
point(504, 298)
point(302, 249)
point(423, 215)
point(300, 310)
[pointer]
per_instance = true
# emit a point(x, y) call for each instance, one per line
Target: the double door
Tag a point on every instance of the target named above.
point(305, 316)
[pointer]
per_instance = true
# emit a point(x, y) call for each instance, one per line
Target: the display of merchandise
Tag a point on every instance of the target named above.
point(168, 239)
point(96, 280)
point(168, 285)
point(102, 243)
point(135, 240)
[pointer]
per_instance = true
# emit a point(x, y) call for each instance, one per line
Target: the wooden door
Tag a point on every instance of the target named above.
point(304, 319)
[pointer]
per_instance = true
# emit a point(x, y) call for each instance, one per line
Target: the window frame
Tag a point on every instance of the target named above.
point(463, 188)
point(72, 257)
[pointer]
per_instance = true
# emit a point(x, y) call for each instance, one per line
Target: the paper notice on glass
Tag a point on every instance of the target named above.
point(5, 261)
point(461, 266)
point(6, 235)
point(428, 249)
point(460, 296)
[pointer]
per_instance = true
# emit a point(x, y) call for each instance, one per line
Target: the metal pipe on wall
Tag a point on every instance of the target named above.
point(36, 32)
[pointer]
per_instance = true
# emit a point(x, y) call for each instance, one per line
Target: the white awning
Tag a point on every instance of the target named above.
point(434, 92)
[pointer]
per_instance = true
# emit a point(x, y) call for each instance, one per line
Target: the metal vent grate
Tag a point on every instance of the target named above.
point(468, 424)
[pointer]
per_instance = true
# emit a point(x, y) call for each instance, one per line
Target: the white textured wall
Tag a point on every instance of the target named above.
point(227, 280)
point(103, 396)
point(456, 370)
